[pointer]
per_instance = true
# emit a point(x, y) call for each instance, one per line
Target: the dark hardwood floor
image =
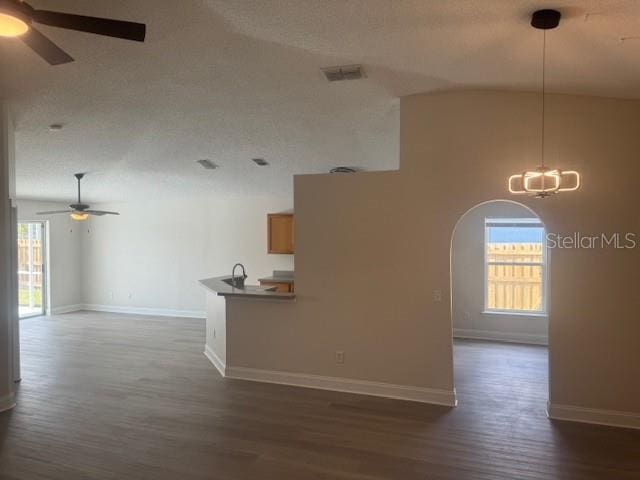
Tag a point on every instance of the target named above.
point(125, 397)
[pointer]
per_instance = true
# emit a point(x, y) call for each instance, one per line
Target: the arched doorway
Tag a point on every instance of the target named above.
point(499, 307)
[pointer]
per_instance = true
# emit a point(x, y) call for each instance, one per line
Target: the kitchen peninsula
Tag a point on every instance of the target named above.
point(221, 293)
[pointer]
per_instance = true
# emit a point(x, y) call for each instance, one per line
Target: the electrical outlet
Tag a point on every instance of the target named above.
point(130, 295)
point(437, 295)
point(339, 357)
point(111, 295)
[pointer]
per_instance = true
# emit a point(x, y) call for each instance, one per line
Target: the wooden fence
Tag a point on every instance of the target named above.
point(511, 286)
point(23, 262)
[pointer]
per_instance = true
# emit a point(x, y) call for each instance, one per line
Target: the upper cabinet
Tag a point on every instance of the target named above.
point(280, 233)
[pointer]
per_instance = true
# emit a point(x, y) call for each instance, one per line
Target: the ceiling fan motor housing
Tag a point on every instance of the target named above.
point(545, 19)
point(17, 9)
point(79, 206)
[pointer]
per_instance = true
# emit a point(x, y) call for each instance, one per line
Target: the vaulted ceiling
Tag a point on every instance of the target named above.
point(231, 80)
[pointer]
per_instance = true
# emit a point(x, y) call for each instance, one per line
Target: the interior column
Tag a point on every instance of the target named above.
point(8, 295)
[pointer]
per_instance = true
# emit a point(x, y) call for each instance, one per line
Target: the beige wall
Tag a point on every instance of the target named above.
point(468, 282)
point(216, 331)
point(371, 249)
point(359, 290)
point(476, 140)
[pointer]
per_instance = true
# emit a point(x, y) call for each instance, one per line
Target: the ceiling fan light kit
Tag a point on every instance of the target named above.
point(12, 25)
point(79, 216)
point(544, 181)
point(17, 18)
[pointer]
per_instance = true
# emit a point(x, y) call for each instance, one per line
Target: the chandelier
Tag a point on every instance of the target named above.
point(544, 181)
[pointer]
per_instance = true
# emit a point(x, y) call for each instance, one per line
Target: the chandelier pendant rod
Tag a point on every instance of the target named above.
point(544, 62)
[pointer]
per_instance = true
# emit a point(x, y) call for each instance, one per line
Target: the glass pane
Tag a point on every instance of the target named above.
point(514, 287)
point(30, 269)
point(515, 244)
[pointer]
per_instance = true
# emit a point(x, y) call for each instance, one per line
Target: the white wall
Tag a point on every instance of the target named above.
point(150, 257)
point(468, 282)
point(65, 259)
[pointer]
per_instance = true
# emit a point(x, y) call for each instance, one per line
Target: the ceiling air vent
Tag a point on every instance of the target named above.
point(343, 170)
point(345, 72)
point(207, 164)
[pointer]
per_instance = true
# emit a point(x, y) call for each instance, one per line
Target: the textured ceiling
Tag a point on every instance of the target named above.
point(231, 80)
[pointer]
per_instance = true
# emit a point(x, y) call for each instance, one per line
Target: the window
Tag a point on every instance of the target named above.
point(515, 265)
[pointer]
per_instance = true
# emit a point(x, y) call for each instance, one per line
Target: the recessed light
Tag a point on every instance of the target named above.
point(260, 161)
point(56, 127)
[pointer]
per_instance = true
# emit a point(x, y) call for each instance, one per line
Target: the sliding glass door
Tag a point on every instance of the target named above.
point(31, 262)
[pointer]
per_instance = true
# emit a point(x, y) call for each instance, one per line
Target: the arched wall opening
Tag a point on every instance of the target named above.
point(499, 274)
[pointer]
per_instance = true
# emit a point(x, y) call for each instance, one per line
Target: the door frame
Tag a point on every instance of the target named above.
point(45, 290)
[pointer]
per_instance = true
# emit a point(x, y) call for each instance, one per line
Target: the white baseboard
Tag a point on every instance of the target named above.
point(159, 312)
point(7, 403)
point(362, 387)
point(501, 336)
point(66, 309)
point(215, 360)
point(611, 418)
point(156, 312)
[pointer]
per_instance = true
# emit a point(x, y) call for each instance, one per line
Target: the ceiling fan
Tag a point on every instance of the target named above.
point(17, 18)
point(79, 211)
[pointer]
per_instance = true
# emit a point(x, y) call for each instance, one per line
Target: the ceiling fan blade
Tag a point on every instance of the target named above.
point(100, 26)
point(55, 212)
point(100, 213)
point(45, 47)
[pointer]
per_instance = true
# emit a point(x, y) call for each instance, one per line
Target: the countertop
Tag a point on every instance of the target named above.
point(280, 276)
point(218, 286)
point(277, 279)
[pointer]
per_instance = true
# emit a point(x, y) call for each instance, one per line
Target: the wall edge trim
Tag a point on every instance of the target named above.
point(595, 416)
point(348, 385)
point(215, 360)
point(159, 312)
point(66, 309)
point(509, 337)
point(7, 402)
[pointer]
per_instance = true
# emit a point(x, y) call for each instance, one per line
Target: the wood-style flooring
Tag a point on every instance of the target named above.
point(110, 397)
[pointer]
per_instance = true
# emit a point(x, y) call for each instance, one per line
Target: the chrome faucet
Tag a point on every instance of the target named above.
point(241, 279)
